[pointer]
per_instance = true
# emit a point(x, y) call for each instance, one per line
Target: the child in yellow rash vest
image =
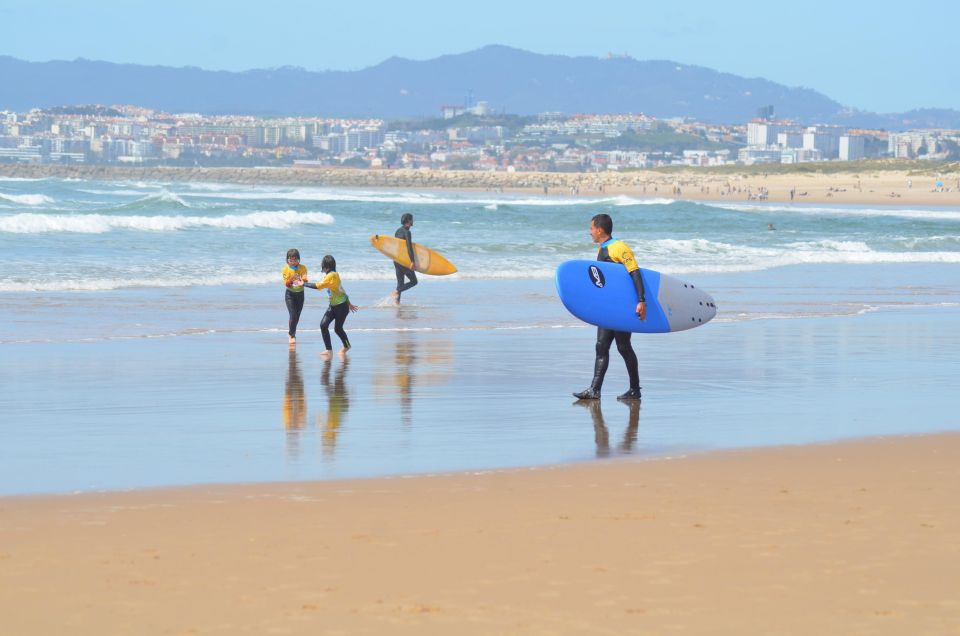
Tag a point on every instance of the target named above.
point(339, 307)
point(294, 277)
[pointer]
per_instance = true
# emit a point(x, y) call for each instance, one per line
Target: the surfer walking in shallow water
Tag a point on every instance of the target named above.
point(615, 251)
point(405, 273)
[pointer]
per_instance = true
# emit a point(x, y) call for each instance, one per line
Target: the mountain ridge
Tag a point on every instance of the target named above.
point(509, 79)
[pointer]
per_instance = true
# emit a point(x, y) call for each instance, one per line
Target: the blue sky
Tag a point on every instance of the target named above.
point(876, 56)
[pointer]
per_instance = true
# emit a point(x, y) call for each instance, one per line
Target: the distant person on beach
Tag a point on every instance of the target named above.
point(339, 307)
point(615, 251)
point(770, 226)
point(403, 232)
point(294, 276)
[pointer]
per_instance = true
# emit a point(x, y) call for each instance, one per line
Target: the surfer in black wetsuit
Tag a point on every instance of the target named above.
point(403, 232)
point(615, 251)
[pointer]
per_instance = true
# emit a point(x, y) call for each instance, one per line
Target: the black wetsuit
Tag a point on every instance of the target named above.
point(606, 337)
point(294, 301)
point(405, 272)
point(336, 314)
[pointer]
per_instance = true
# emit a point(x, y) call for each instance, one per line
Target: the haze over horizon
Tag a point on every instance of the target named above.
point(879, 59)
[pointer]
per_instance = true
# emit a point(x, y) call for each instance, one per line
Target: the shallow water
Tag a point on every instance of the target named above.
point(147, 345)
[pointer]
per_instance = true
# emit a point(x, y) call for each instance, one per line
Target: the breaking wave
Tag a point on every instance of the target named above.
point(31, 223)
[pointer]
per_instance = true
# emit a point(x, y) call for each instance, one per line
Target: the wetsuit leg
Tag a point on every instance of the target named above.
point(294, 302)
point(404, 273)
point(605, 338)
point(328, 317)
point(340, 313)
point(629, 357)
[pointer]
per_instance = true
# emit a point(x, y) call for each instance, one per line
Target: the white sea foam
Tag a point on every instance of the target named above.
point(916, 213)
point(912, 243)
point(31, 223)
point(164, 197)
point(74, 284)
point(26, 199)
point(117, 192)
point(699, 255)
point(410, 197)
point(625, 201)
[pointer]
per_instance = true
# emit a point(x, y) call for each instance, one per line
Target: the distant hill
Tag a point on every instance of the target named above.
point(510, 80)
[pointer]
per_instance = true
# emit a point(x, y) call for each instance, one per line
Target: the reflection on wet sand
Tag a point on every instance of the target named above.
point(415, 364)
point(602, 434)
point(338, 403)
point(294, 404)
point(404, 356)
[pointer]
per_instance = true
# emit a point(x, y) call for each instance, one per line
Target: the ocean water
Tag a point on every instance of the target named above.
point(142, 332)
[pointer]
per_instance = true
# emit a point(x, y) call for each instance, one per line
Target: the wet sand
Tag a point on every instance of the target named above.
point(864, 186)
point(849, 538)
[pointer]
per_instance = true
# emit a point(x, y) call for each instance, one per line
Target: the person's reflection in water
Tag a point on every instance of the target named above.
point(405, 355)
point(602, 434)
point(338, 403)
point(294, 405)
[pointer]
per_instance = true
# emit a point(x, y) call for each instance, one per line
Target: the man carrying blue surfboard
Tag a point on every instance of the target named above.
point(615, 251)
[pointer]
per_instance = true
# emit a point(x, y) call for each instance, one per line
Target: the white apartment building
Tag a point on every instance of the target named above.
point(800, 155)
point(766, 154)
point(767, 133)
point(791, 139)
point(826, 139)
point(763, 133)
point(907, 145)
point(852, 147)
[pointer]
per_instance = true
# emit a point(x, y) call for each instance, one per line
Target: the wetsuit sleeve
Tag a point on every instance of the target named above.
point(287, 275)
point(409, 238)
point(326, 283)
point(638, 284)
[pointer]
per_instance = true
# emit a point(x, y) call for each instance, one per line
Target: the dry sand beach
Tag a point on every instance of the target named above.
point(879, 186)
point(849, 538)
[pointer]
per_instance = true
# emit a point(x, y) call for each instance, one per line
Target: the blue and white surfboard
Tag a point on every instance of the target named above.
point(603, 294)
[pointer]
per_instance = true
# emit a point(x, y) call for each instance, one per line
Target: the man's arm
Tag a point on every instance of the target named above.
point(641, 299)
point(409, 239)
point(625, 256)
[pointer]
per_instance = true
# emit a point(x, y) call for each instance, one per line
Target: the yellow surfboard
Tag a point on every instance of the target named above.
point(428, 261)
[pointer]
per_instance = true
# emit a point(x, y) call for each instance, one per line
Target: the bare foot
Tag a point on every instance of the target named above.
point(342, 354)
point(326, 354)
point(291, 341)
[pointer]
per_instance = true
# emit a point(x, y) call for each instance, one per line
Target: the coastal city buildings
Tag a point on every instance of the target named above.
point(770, 141)
point(468, 138)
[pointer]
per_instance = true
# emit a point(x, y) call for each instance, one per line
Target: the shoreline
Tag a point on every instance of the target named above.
point(854, 536)
point(880, 187)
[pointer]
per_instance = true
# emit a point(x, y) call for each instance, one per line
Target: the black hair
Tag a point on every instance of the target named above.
point(406, 217)
point(328, 264)
point(604, 222)
point(293, 253)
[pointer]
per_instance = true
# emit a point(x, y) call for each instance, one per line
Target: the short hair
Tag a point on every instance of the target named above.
point(328, 264)
point(604, 222)
point(293, 253)
point(406, 217)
